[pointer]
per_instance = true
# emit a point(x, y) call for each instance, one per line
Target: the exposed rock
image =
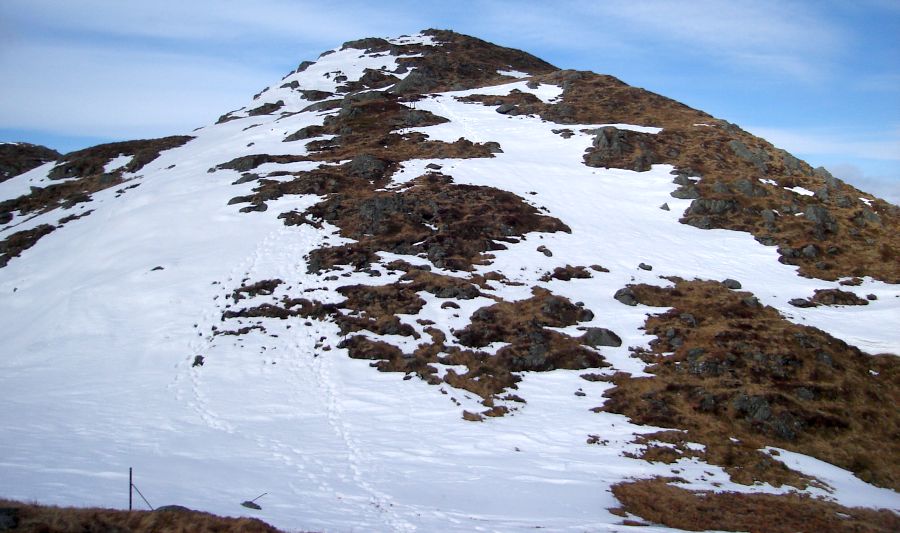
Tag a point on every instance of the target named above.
point(686, 192)
point(822, 219)
point(305, 133)
point(732, 284)
point(324, 105)
point(748, 188)
point(600, 337)
point(266, 109)
point(566, 273)
point(368, 167)
point(837, 297)
point(625, 296)
point(615, 148)
point(758, 158)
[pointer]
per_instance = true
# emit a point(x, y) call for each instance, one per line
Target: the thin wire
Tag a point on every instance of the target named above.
point(142, 497)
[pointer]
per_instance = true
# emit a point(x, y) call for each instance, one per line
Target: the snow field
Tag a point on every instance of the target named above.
point(96, 365)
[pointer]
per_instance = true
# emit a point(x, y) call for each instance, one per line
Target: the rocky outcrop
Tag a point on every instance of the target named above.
point(617, 148)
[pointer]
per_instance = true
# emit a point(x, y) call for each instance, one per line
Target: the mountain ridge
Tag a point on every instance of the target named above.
point(473, 217)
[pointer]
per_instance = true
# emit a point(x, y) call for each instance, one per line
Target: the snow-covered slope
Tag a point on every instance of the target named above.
point(104, 317)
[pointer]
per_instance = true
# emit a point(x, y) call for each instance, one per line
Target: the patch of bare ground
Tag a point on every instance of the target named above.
point(90, 161)
point(14, 244)
point(656, 500)
point(265, 287)
point(32, 518)
point(16, 158)
point(569, 272)
point(452, 225)
point(725, 366)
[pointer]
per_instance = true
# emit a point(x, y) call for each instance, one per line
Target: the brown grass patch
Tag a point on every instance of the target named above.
point(524, 325)
point(657, 501)
point(453, 225)
point(32, 518)
point(725, 366)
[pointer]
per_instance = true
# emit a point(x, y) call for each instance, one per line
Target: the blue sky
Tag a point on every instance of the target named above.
point(820, 78)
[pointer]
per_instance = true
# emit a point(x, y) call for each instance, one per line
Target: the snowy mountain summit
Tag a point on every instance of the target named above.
point(430, 283)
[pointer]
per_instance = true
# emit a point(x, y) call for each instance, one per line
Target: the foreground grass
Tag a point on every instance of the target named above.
point(32, 518)
point(657, 501)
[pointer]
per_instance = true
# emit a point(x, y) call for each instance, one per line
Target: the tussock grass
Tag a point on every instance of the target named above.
point(34, 518)
point(657, 501)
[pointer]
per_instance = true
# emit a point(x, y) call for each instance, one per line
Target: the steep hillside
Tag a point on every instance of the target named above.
point(433, 283)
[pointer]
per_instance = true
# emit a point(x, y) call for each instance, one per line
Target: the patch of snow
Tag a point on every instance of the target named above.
point(513, 73)
point(845, 488)
point(866, 201)
point(21, 185)
point(545, 92)
point(117, 163)
point(801, 190)
point(420, 39)
point(768, 181)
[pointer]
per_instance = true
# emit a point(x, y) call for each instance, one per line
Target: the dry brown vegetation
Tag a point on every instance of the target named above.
point(524, 325)
point(90, 161)
point(655, 500)
point(461, 62)
point(16, 243)
point(453, 225)
point(725, 366)
point(16, 158)
point(31, 518)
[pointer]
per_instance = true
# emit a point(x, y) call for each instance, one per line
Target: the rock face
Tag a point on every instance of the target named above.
point(621, 149)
